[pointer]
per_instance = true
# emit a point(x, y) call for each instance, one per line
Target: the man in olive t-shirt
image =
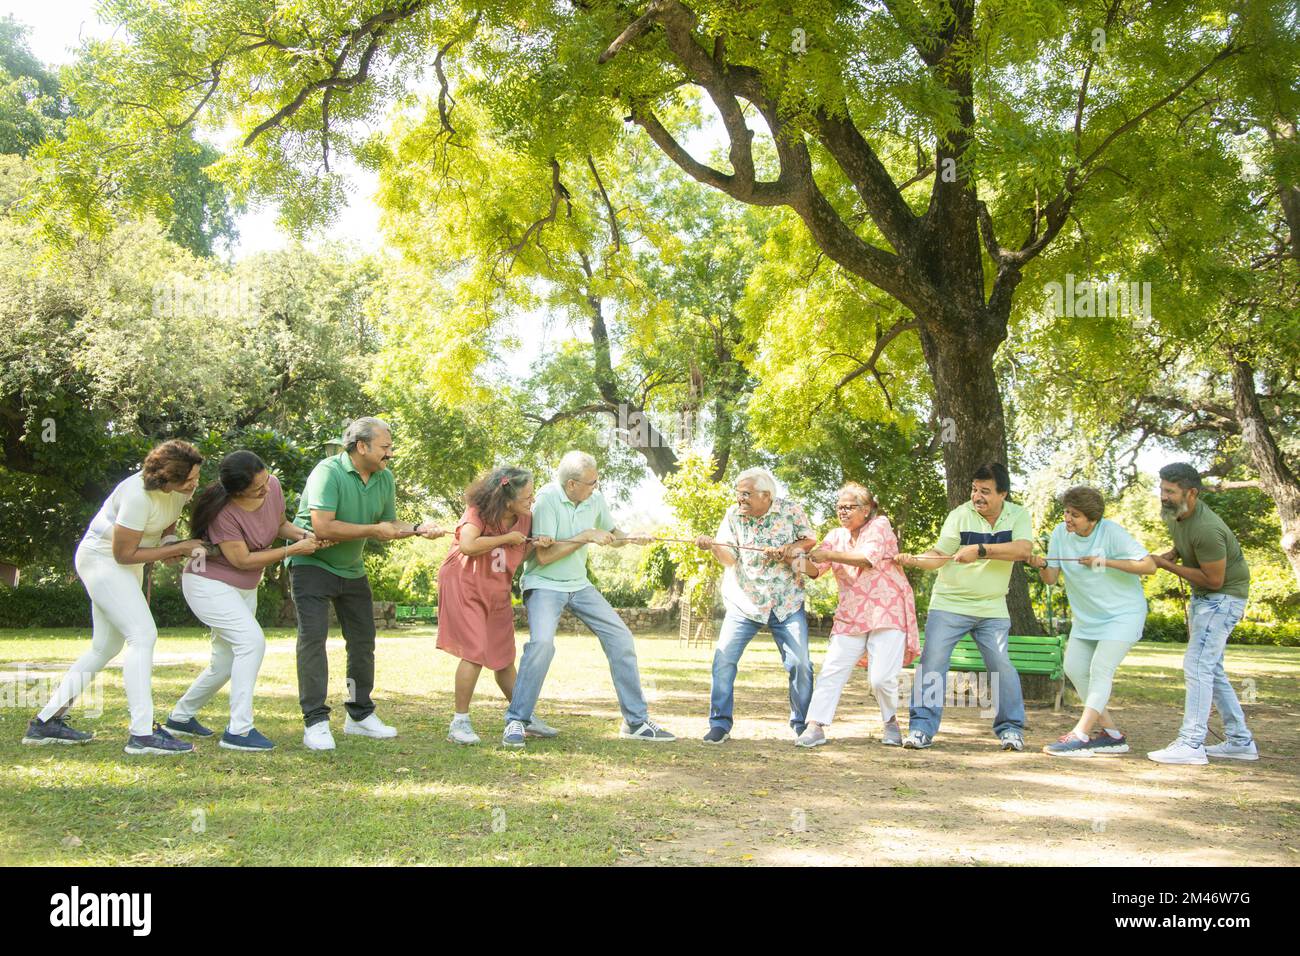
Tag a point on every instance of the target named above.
point(349, 498)
point(1207, 555)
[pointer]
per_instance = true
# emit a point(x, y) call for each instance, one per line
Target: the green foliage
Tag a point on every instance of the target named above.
point(698, 504)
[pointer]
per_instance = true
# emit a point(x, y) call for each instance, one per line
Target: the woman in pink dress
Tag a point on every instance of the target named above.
point(875, 622)
point(476, 621)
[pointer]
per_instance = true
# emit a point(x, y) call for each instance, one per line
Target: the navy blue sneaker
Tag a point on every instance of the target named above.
point(1104, 745)
point(187, 728)
point(249, 741)
point(159, 742)
point(54, 731)
point(1068, 745)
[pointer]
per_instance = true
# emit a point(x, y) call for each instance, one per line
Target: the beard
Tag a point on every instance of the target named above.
point(1170, 509)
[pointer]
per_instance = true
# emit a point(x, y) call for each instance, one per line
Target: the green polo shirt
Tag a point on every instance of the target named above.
point(978, 589)
point(555, 516)
point(1202, 536)
point(335, 485)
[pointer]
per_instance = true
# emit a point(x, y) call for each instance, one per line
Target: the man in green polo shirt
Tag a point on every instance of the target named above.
point(349, 499)
point(975, 553)
point(1212, 563)
point(571, 511)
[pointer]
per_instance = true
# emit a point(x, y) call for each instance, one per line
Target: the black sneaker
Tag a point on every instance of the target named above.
point(647, 731)
point(716, 735)
point(159, 742)
point(188, 728)
point(54, 731)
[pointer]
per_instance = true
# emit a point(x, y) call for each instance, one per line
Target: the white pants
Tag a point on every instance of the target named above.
point(238, 645)
point(885, 648)
point(120, 615)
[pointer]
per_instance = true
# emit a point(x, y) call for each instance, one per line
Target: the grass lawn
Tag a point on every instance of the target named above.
point(588, 797)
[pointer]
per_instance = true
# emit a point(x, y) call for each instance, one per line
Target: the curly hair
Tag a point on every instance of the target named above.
point(169, 464)
point(1086, 500)
point(494, 491)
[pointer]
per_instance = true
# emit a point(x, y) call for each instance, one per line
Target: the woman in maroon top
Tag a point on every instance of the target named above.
point(476, 621)
point(240, 516)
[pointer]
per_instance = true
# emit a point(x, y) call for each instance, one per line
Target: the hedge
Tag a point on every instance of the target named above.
point(68, 605)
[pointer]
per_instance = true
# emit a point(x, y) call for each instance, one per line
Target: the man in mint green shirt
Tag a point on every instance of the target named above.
point(976, 550)
point(349, 499)
point(575, 514)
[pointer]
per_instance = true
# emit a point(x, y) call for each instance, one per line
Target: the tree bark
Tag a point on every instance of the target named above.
point(1276, 479)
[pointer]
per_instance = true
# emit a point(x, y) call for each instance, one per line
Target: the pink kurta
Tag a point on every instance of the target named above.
point(875, 598)
point(475, 620)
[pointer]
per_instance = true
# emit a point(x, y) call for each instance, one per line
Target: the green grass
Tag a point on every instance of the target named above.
point(586, 797)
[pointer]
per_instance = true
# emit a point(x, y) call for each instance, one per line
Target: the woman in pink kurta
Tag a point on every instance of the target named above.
point(476, 621)
point(875, 621)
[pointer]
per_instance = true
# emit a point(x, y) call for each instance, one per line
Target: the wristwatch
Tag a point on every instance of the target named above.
point(983, 551)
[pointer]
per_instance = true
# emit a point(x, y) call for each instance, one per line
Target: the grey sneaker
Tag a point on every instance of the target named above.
point(513, 735)
point(461, 732)
point(1012, 740)
point(540, 728)
point(647, 731)
point(1235, 751)
point(892, 735)
point(813, 736)
point(917, 741)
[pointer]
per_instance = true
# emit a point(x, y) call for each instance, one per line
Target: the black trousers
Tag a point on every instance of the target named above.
point(313, 590)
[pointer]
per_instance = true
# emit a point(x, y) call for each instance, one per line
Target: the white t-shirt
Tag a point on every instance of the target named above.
point(134, 507)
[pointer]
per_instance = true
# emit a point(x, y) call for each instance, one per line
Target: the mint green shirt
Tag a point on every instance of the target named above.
point(978, 589)
point(335, 485)
point(555, 516)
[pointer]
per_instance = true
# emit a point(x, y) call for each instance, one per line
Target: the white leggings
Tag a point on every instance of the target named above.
point(238, 645)
point(120, 615)
point(885, 648)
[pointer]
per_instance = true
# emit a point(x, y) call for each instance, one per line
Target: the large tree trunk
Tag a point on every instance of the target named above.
point(972, 427)
point(1275, 477)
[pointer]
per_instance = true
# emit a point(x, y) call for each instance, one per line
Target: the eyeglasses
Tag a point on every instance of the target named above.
point(746, 495)
point(847, 507)
point(590, 484)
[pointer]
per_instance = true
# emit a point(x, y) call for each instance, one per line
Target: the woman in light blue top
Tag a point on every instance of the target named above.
point(1101, 563)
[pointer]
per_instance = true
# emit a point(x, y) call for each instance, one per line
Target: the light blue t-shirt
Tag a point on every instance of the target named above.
point(1106, 604)
point(555, 516)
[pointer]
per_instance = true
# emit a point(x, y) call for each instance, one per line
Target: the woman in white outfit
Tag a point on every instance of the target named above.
point(125, 535)
point(875, 620)
point(240, 516)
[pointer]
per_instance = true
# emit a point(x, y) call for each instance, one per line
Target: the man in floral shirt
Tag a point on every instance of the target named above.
point(760, 588)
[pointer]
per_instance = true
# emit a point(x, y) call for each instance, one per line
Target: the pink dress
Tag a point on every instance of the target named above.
point(875, 598)
point(475, 620)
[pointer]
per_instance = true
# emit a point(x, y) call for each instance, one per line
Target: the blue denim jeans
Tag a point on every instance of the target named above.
point(1213, 618)
point(791, 638)
point(943, 629)
point(590, 607)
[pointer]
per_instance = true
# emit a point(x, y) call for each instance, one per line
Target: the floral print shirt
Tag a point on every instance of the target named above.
point(874, 598)
point(756, 586)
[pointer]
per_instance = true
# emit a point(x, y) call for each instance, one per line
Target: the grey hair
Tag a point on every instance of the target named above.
point(762, 479)
point(573, 465)
point(363, 429)
point(1182, 474)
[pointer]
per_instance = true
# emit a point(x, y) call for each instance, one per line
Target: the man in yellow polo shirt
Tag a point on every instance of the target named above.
point(975, 553)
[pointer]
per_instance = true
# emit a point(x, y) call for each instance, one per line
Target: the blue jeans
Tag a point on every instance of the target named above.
point(1213, 618)
point(943, 629)
point(791, 638)
point(591, 608)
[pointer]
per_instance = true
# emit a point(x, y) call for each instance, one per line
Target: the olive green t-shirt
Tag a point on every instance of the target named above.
point(335, 485)
point(1202, 536)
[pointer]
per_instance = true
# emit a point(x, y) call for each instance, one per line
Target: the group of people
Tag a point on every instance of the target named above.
point(765, 543)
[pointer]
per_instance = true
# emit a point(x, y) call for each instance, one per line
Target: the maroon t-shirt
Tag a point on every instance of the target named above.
point(257, 529)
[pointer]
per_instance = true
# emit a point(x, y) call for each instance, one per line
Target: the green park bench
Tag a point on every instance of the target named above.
point(410, 612)
point(1042, 655)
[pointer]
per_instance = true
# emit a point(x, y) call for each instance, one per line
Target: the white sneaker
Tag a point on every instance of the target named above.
point(462, 733)
point(318, 737)
point(372, 726)
point(1235, 751)
point(1179, 752)
point(540, 728)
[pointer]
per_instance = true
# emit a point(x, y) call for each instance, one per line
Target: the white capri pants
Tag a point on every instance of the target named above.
point(885, 647)
point(120, 615)
point(238, 646)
